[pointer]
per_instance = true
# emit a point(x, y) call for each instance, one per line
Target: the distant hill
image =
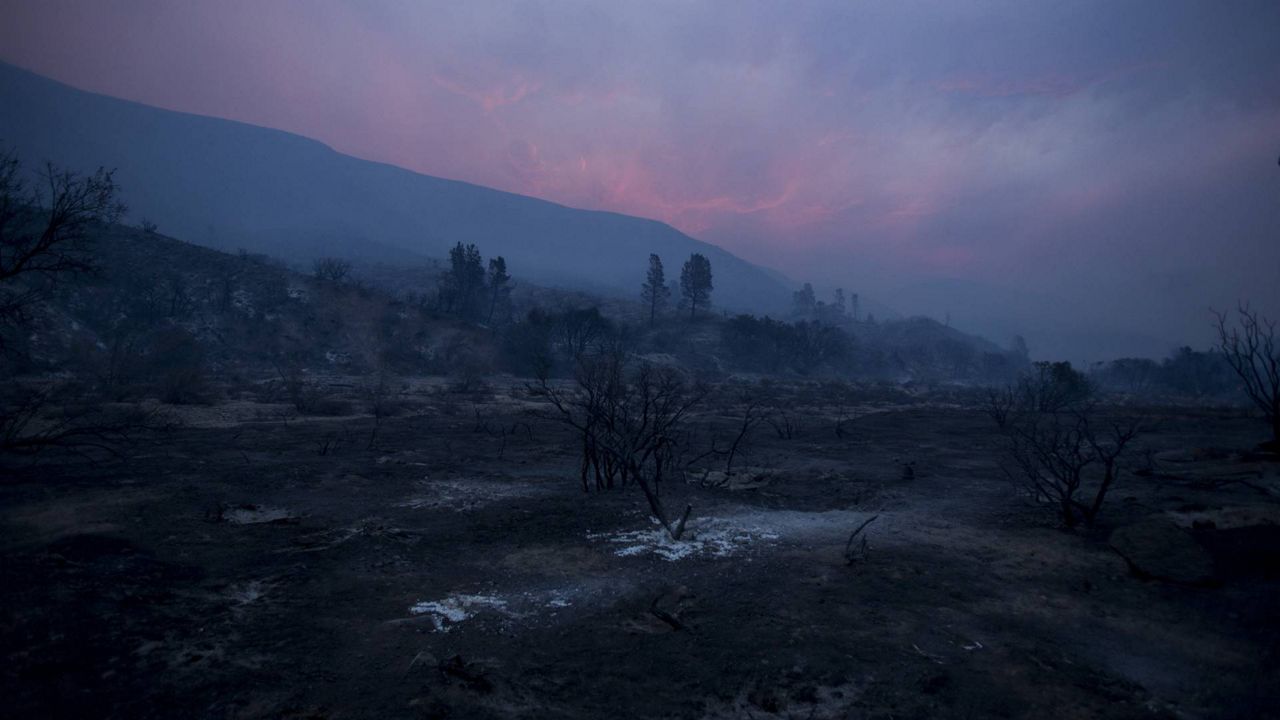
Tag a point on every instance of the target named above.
point(161, 316)
point(154, 298)
point(230, 185)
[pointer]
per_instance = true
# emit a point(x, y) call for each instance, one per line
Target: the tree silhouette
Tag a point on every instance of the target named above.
point(1250, 347)
point(499, 286)
point(804, 302)
point(655, 292)
point(695, 283)
point(332, 270)
point(45, 229)
point(463, 283)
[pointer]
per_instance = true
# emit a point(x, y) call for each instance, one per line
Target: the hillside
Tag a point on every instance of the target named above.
point(165, 318)
point(230, 185)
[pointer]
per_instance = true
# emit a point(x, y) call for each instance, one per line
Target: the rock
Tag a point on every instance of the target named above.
point(1157, 548)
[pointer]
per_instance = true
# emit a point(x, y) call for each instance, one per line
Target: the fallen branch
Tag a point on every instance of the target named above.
point(850, 555)
point(667, 617)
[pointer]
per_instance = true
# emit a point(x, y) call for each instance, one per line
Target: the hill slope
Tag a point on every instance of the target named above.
point(230, 185)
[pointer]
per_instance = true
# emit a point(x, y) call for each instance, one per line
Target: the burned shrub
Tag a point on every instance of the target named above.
point(1052, 386)
point(35, 417)
point(332, 270)
point(176, 365)
point(803, 347)
point(1069, 459)
point(1251, 350)
point(1059, 448)
point(526, 346)
point(307, 394)
point(628, 420)
point(46, 230)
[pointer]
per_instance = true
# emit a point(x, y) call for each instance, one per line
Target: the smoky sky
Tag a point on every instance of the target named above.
point(1102, 171)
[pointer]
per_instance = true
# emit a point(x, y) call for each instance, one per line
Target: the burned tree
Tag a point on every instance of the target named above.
point(46, 233)
point(1070, 459)
point(1250, 348)
point(628, 421)
point(752, 415)
point(45, 230)
point(332, 270)
point(747, 411)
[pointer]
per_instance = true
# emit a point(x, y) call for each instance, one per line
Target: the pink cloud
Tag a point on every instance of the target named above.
point(1054, 86)
point(785, 149)
point(491, 96)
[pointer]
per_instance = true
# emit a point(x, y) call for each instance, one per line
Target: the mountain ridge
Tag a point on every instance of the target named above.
point(227, 184)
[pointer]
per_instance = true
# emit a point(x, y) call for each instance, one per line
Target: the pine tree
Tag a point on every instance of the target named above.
point(695, 283)
point(463, 284)
point(655, 292)
point(499, 286)
point(805, 302)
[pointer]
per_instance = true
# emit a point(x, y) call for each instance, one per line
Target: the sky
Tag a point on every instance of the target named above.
point(1099, 170)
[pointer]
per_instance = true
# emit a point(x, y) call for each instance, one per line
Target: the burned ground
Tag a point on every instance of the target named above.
point(254, 565)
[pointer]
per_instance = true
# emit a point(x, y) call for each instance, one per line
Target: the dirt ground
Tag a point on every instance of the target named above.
point(250, 567)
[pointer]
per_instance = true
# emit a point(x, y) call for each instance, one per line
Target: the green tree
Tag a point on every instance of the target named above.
point(695, 283)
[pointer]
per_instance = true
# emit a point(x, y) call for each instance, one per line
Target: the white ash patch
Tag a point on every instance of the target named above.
point(528, 605)
point(247, 593)
point(710, 537)
point(457, 608)
point(257, 515)
point(465, 495)
point(541, 602)
point(242, 300)
point(740, 533)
